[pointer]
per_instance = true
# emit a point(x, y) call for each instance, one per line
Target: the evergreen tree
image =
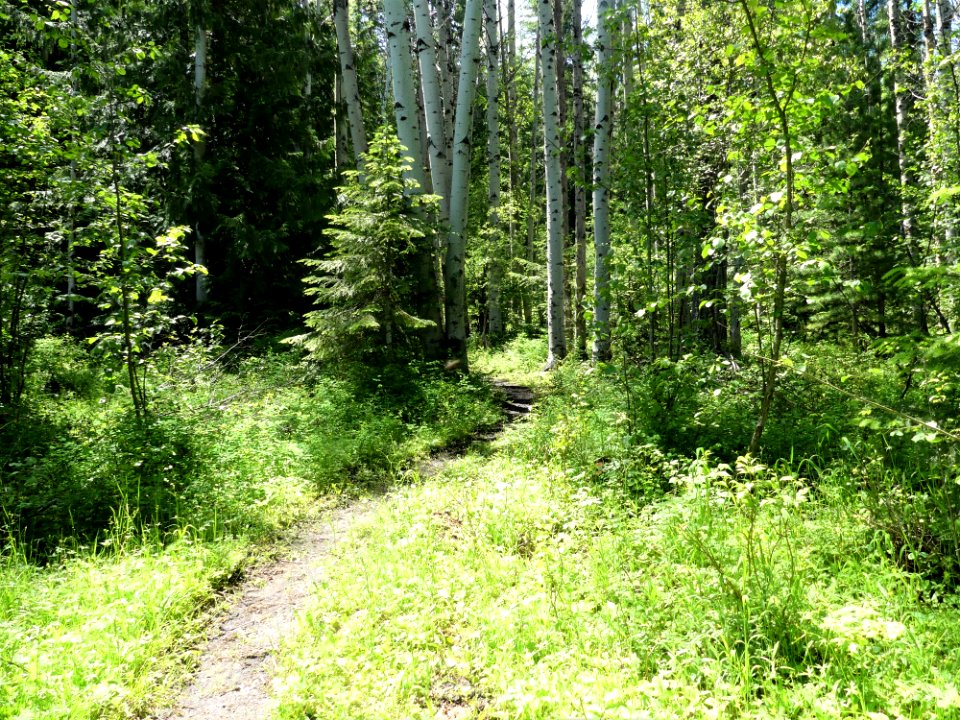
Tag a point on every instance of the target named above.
point(363, 288)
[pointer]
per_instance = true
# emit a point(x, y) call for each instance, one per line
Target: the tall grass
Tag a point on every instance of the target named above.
point(583, 571)
point(117, 534)
point(91, 636)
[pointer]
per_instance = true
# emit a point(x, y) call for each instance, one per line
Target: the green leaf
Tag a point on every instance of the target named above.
point(944, 193)
point(157, 296)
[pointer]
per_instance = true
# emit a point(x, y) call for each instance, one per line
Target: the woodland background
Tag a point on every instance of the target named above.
point(252, 254)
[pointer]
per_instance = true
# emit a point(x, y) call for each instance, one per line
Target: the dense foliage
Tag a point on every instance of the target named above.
point(576, 573)
point(739, 217)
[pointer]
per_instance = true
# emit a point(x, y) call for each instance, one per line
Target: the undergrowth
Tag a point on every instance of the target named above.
point(506, 589)
point(520, 360)
point(586, 570)
point(92, 637)
point(117, 532)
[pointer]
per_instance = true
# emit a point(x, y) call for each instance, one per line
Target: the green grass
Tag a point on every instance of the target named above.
point(577, 569)
point(520, 360)
point(119, 534)
point(509, 587)
point(92, 637)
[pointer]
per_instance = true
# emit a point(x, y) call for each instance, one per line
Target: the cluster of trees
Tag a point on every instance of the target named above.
point(783, 168)
point(770, 168)
point(144, 142)
point(790, 168)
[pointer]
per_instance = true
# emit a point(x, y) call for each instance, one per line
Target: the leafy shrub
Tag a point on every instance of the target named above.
point(232, 446)
point(59, 365)
point(745, 525)
point(590, 429)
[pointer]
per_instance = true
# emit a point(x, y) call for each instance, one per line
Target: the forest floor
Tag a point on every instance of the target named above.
point(233, 675)
point(235, 667)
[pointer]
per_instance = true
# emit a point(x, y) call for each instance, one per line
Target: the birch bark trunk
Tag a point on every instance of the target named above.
point(532, 188)
point(579, 188)
point(448, 74)
point(509, 77)
point(407, 118)
point(551, 151)
point(454, 262)
point(433, 106)
point(348, 75)
point(340, 130)
point(560, 68)
point(603, 129)
point(404, 96)
point(494, 261)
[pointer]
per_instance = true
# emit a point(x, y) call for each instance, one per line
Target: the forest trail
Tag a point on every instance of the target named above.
point(234, 668)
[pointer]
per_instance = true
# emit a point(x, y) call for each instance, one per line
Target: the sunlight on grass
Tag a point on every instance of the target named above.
point(121, 533)
point(503, 589)
point(91, 639)
point(520, 361)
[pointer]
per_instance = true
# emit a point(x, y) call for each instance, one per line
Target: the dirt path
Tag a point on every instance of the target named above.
point(233, 680)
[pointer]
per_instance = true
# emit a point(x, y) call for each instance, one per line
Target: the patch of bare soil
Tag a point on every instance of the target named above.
point(233, 676)
point(234, 668)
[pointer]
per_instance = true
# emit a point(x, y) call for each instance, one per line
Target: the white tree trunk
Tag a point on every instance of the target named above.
point(551, 151)
point(404, 96)
point(406, 112)
point(509, 81)
point(448, 73)
point(348, 74)
point(603, 129)
point(494, 262)
point(433, 106)
point(423, 141)
point(532, 188)
point(340, 129)
point(453, 267)
point(579, 187)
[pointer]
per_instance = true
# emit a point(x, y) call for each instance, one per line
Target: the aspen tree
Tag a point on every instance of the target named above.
point(494, 263)
point(532, 186)
point(579, 186)
point(407, 117)
point(549, 40)
point(433, 105)
point(603, 129)
point(455, 291)
point(348, 77)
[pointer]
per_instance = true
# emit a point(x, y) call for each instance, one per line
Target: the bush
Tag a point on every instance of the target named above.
point(232, 446)
point(58, 366)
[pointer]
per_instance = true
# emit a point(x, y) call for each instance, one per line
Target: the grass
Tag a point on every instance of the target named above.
point(517, 586)
point(91, 637)
point(120, 535)
point(576, 569)
point(520, 360)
